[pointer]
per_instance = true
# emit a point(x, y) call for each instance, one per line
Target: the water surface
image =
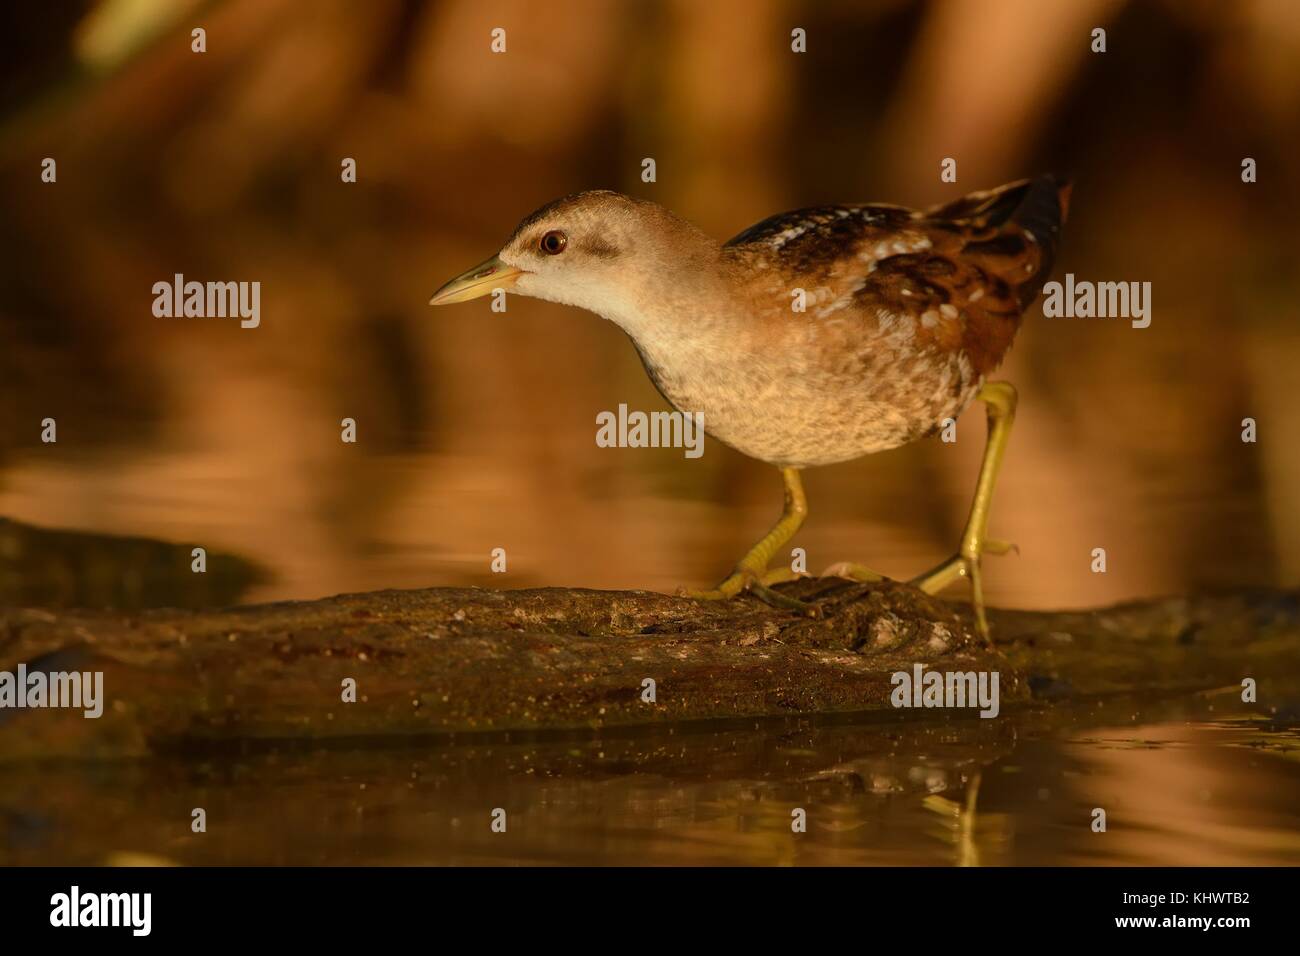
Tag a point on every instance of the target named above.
point(1183, 782)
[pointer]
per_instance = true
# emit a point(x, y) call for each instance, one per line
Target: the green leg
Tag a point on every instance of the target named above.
point(751, 571)
point(1000, 397)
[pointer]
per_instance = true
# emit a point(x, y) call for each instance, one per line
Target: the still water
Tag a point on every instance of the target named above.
point(1183, 782)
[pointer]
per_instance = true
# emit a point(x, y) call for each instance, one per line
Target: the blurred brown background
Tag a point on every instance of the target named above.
point(476, 430)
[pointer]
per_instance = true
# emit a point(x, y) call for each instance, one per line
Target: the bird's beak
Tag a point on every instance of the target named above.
point(482, 279)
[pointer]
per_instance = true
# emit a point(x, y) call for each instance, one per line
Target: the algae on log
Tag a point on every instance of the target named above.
point(445, 661)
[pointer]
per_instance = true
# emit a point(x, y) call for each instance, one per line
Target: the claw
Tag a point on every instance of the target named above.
point(1000, 547)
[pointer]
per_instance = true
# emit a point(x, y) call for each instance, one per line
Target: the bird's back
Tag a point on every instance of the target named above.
point(958, 276)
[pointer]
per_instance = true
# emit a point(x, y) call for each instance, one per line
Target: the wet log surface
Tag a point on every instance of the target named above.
point(443, 662)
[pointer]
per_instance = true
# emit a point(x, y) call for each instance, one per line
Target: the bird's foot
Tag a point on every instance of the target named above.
point(965, 564)
point(959, 566)
point(757, 582)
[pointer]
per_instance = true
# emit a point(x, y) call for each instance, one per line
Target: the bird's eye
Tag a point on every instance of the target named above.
point(553, 242)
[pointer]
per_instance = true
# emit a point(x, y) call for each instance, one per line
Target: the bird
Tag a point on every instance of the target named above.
point(813, 337)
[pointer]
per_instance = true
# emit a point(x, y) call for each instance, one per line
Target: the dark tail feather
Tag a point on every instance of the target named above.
point(1042, 212)
point(1038, 205)
point(1035, 206)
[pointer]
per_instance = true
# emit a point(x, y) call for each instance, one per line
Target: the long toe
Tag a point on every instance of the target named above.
point(852, 571)
point(780, 576)
point(1000, 547)
point(739, 580)
point(777, 599)
point(713, 594)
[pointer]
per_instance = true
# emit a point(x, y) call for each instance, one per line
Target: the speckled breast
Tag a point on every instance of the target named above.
point(798, 407)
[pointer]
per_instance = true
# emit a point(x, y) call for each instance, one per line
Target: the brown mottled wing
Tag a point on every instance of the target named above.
point(964, 272)
point(990, 255)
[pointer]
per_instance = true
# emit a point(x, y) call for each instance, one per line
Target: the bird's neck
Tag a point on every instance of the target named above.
point(675, 291)
point(690, 328)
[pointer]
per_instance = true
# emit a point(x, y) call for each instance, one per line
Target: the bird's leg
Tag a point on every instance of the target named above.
point(1000, 397)
point(751, 571)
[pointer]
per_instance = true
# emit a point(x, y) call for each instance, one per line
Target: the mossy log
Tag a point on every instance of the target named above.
point(446, 661)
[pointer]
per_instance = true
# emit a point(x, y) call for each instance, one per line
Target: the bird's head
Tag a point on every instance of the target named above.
point(598, 250)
